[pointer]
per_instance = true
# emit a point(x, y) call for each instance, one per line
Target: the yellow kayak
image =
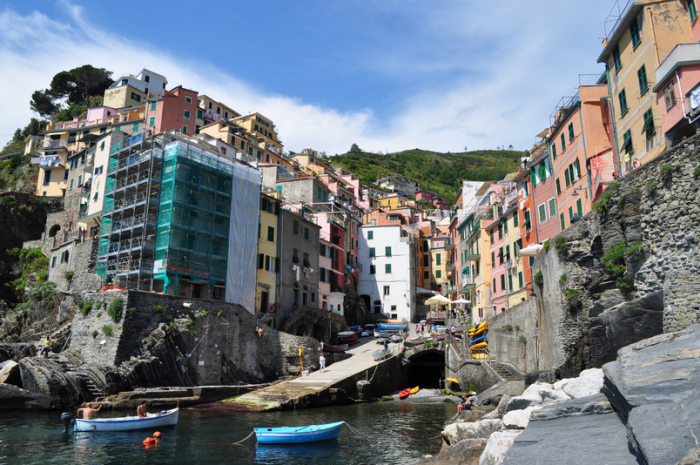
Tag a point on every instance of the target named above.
point(479, 329)
point(452, 380)
point(479, 356)
point(479, 345)
point(415, 389)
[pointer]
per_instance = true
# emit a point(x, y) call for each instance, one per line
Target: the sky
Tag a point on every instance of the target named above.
point(388, 75)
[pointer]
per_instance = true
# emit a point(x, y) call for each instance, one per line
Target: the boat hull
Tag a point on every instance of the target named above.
point(332, 348)
point(170, 418)
point(392, 326)
point(380, 355)
point(405, 393)
point(299, 434)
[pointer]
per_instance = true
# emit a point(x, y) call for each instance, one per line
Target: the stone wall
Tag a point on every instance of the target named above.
point(587, 306)
point(81, 261)
point(204, 342)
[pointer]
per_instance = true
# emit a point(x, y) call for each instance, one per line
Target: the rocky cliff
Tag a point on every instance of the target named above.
point(629, 270)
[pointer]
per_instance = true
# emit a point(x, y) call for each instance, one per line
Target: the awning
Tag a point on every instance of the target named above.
point(420, 290)
point(531, 250)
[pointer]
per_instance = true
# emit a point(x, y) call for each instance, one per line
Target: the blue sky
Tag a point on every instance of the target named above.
point(388, 75)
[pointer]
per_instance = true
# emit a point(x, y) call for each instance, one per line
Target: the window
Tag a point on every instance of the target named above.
point(184, 129)
point(53, 262)
point(426, 260)
point(306, 259)
point(188, 99)
point(322, 250)
point(269, 263)
point(491, 235)
point(634, 32)
point(295, 255)
point(649, 128)
point(617, 64)
point(627, 145)
point(306, 233)
point(372, 269)
point(135, 128)
point(563, 143)
point(387, 268)
point(521, 281)
point(500, 255)
point(554, 150)
point(567, 179)
point(371, 252)
point(135, 96)
point(426, 275)
point(670, 96)
point(494, 284)
point(387, 251)
point(642, 78)
point(386, 290)
point(571, 213)
point(510, 282)
point(552, 207)
point(493, 258)
point(200, 115)
point(579, 208)
point(543, 171)
point(577, 168)
point(295, 227)
point(438, 274)
point(516, 219)
point(500, 230)
point(117, 129)
point(370, 235)
point(528, 222)
point(80, 180)
point(505, 226)
point(153, 105)
point(503, 282)
point(561, 220)
point(558, 187)
point(543, 213)
point(622, 97)
point(571, 132)
point(261, 261)
point(71, 183)
point(507, 253)
point(152, 121)
point(322, 277)
point(692, 10)
point(271, 234)
point(438, 259)
point(187, 114)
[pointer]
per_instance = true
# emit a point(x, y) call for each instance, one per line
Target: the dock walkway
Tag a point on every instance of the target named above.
point(302, 389)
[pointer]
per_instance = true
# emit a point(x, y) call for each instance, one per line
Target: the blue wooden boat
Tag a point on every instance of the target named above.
point(391, 326)
point(298, 434)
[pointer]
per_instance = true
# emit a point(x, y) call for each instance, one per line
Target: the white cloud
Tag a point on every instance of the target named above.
point(503, 74)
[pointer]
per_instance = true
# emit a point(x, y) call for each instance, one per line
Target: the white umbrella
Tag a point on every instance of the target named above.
point(461, 301)
point(438, 299)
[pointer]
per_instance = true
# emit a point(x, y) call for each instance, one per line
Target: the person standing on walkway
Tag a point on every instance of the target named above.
point(47, 347)
point(322, 362)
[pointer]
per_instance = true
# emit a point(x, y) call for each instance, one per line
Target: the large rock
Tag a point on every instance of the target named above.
point(497, 447)
point(500, 409)
point(655, 384)
point(456, 432)
point(588, 383)
point(466, 452)
point(536, 394)
point(10, 374)
point(579, 431)
point(518, 419)
point(13, 397)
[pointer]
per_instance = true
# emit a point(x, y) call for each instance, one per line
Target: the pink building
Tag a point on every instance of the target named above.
point(434, 199)
point(172, 110)
point(544, 201)
point(678, 85)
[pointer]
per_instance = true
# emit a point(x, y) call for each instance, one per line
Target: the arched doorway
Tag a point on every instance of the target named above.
point(426, 369)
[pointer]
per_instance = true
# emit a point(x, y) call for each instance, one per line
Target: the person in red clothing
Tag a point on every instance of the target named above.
point(152, 442)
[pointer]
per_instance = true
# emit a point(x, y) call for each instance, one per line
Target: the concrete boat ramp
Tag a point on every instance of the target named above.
point(356, 378)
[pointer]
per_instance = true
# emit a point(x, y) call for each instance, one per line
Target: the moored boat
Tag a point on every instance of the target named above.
point(334, 348)
point(298, 434)
point(405, 393)
point(415, 389)
point(392, 325)
point(131, 423)
point(478, 346)
point(380, 355)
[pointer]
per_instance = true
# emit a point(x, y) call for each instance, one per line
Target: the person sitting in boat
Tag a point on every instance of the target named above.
point(141, 410)
point(152, 442)
point(87, 411)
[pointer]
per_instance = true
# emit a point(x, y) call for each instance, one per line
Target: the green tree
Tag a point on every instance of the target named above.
point(76, 86)
point(355, 149)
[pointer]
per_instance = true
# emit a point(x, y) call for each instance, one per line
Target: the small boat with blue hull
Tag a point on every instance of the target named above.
point(298, 434)
point(153, 420)
point(391, 325)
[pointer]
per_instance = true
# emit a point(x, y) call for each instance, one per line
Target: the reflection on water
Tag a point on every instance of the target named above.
point(380, 433)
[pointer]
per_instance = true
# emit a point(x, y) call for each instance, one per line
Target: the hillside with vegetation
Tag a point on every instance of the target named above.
point(441, 173)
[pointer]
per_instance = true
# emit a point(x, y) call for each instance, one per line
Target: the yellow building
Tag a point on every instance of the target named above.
point(642, 35)
point(394, 201)
point(261, 127)
point(268, 256)
point(515, 272)
point(210, 111)
point(123, 96)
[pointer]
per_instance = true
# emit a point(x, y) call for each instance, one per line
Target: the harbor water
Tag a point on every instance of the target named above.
point(396, 432)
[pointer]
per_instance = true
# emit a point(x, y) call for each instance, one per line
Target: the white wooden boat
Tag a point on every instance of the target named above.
point(381, 355)
point(153, 420)
point(396, 338)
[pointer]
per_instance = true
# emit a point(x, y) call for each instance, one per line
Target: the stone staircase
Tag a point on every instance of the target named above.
point(70, 369)
point(503, 372)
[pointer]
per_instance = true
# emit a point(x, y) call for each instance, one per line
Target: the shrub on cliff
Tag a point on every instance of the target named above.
point(115, 309)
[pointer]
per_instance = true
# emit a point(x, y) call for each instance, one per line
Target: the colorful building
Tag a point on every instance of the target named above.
point(269, 265)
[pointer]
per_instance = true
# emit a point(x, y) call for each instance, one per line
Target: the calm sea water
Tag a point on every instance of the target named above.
point(380, 433)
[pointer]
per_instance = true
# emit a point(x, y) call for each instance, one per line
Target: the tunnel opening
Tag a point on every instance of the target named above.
point(426, 369)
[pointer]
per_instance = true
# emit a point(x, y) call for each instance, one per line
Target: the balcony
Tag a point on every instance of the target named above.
point(449, 265)
point(472, 257)
point(54, 144)
point(49, 161)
